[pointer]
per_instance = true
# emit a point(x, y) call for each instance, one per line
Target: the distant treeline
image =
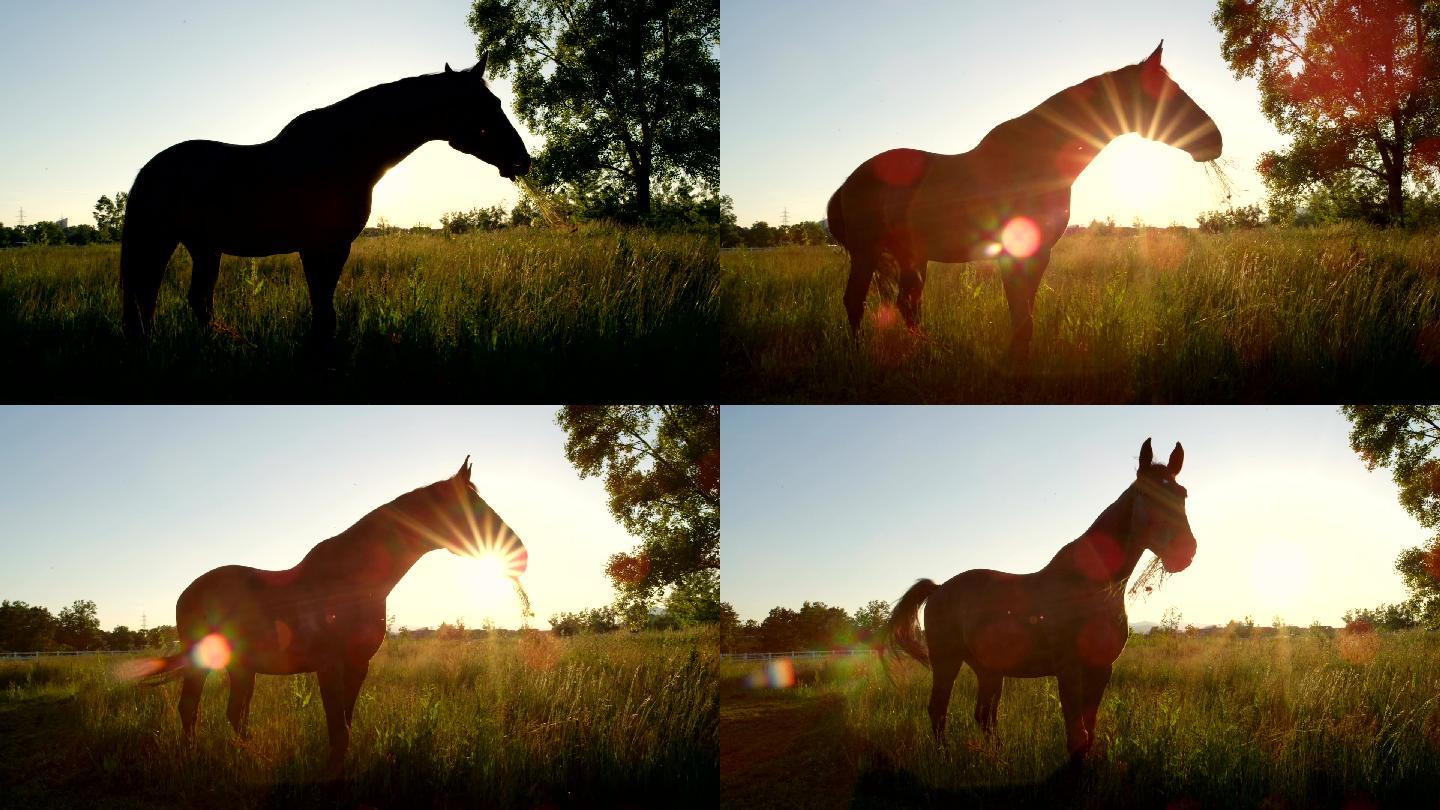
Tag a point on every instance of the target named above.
point(31, 628)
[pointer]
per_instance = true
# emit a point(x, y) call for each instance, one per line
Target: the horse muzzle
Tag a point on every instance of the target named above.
point(516, 169)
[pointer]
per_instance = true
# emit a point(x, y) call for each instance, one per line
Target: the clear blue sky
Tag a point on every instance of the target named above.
point(95, 89)
point(126, 506)
point(811, 88)
point(843, 505)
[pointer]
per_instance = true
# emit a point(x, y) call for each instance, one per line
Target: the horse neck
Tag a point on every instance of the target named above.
point(371, 556)
point(1107, 553)
point(1037, 139)
point(368, 133)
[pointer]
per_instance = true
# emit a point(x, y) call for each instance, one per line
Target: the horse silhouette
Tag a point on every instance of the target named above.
point(1008, 198)
point(307, 189)
point(327, 614)
point(1066, 620)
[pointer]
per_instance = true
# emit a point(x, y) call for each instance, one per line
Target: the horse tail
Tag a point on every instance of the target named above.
point(901, 633)
point(834, 220)
point(154, 671)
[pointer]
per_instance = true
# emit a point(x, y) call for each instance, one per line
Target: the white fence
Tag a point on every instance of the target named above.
point(11, 656)
point(800, 654)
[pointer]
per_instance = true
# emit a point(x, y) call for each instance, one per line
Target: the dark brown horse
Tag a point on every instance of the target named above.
point(1066, 620)
point(307, 189)
point(1008, 198)
point(327, 614)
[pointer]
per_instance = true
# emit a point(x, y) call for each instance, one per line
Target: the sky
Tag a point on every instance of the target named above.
point(93, 90)
point(126, 506)
point(812, 88)
point(844, 505)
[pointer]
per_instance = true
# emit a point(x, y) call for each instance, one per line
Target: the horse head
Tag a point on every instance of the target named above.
point(478, 125)
point(463, 524)
point(1161, 111)
point(1158, 518)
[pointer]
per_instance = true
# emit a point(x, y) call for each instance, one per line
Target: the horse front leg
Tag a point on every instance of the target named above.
point(1022, 280)
point(332, 694)
point(354, 678)
point(242, 687)
point(204, 272)
point(862, 270)
point(912, 285)
point(1095, 681)
point(322, 274)
point(987, 699)
point(190, 691)
point(1072, 706)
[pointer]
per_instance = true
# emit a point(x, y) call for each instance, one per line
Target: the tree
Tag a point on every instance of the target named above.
point(26, 628)
point(1406, 438)
point(78, 627)
point(661, 466)
point(873, 615)
point(625, 92)
point(1353, 82)
point(110, 216)
point(695, 599)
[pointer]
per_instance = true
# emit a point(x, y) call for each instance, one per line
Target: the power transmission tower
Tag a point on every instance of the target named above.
point(785, 218)
point(22, 216)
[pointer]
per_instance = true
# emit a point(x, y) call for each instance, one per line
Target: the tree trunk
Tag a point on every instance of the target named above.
point(1395, 194)
point(642, 186)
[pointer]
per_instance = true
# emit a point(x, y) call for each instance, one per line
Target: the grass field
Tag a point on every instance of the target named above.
point(1289, 722)
point(584, 721)
point(519, 315)
point(1339, 314)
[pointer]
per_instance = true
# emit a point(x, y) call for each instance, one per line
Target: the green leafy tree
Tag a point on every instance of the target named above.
point(626, 93)
point(78, 626)
point(26, 628)
point(695, 599)
point(661, 467)
point(1406, 439)
point(110, 216)
point(1354, 83)
point(873, 615)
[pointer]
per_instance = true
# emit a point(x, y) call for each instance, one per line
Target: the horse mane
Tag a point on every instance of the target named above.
point(367, 525)
point(1061, 105)
point(358, 109)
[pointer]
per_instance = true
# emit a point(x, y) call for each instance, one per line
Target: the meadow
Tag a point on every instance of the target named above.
point(517, 315)
point(1286, 722)
point(1337, 314)
point(499, 722)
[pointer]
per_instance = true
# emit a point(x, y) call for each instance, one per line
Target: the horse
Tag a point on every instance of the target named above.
point(1007, 199)
point(1066, 620)
point(326, 614)
point(308, 189)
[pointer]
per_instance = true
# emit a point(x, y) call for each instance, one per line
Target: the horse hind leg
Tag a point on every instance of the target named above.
point(204, 272)
point(143, 258)
point(944, 668)
point(190, 689)
point(322, 274)
point(1022, 281)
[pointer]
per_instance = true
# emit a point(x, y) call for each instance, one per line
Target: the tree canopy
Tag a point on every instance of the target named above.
point(625, 92)
point(661, 467)
point(1406, 439)
point(1353, 82)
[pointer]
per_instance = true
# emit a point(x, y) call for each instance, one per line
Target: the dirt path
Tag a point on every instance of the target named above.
point(778, 749)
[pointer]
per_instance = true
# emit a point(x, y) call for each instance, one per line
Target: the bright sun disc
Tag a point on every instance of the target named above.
point(491, 566)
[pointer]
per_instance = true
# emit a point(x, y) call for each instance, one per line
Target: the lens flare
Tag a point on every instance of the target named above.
point(213, 652)
point(777, 674)
point(1020, 237)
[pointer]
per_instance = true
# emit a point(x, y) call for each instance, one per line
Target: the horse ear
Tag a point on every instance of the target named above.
point(447, 68)
point(1177, 459)
point(479, 68)
point(1147, 456)
point(464, 473)
point(1154, 58)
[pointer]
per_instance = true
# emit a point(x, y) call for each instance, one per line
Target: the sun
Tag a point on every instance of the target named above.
point(490, 567)
point(1136, 178)
point(1280, 572)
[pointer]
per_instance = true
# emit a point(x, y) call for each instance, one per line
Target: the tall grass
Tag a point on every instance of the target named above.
point(499, 722)
point(1301, 721)
point(1278, 315)
point(514, 315)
